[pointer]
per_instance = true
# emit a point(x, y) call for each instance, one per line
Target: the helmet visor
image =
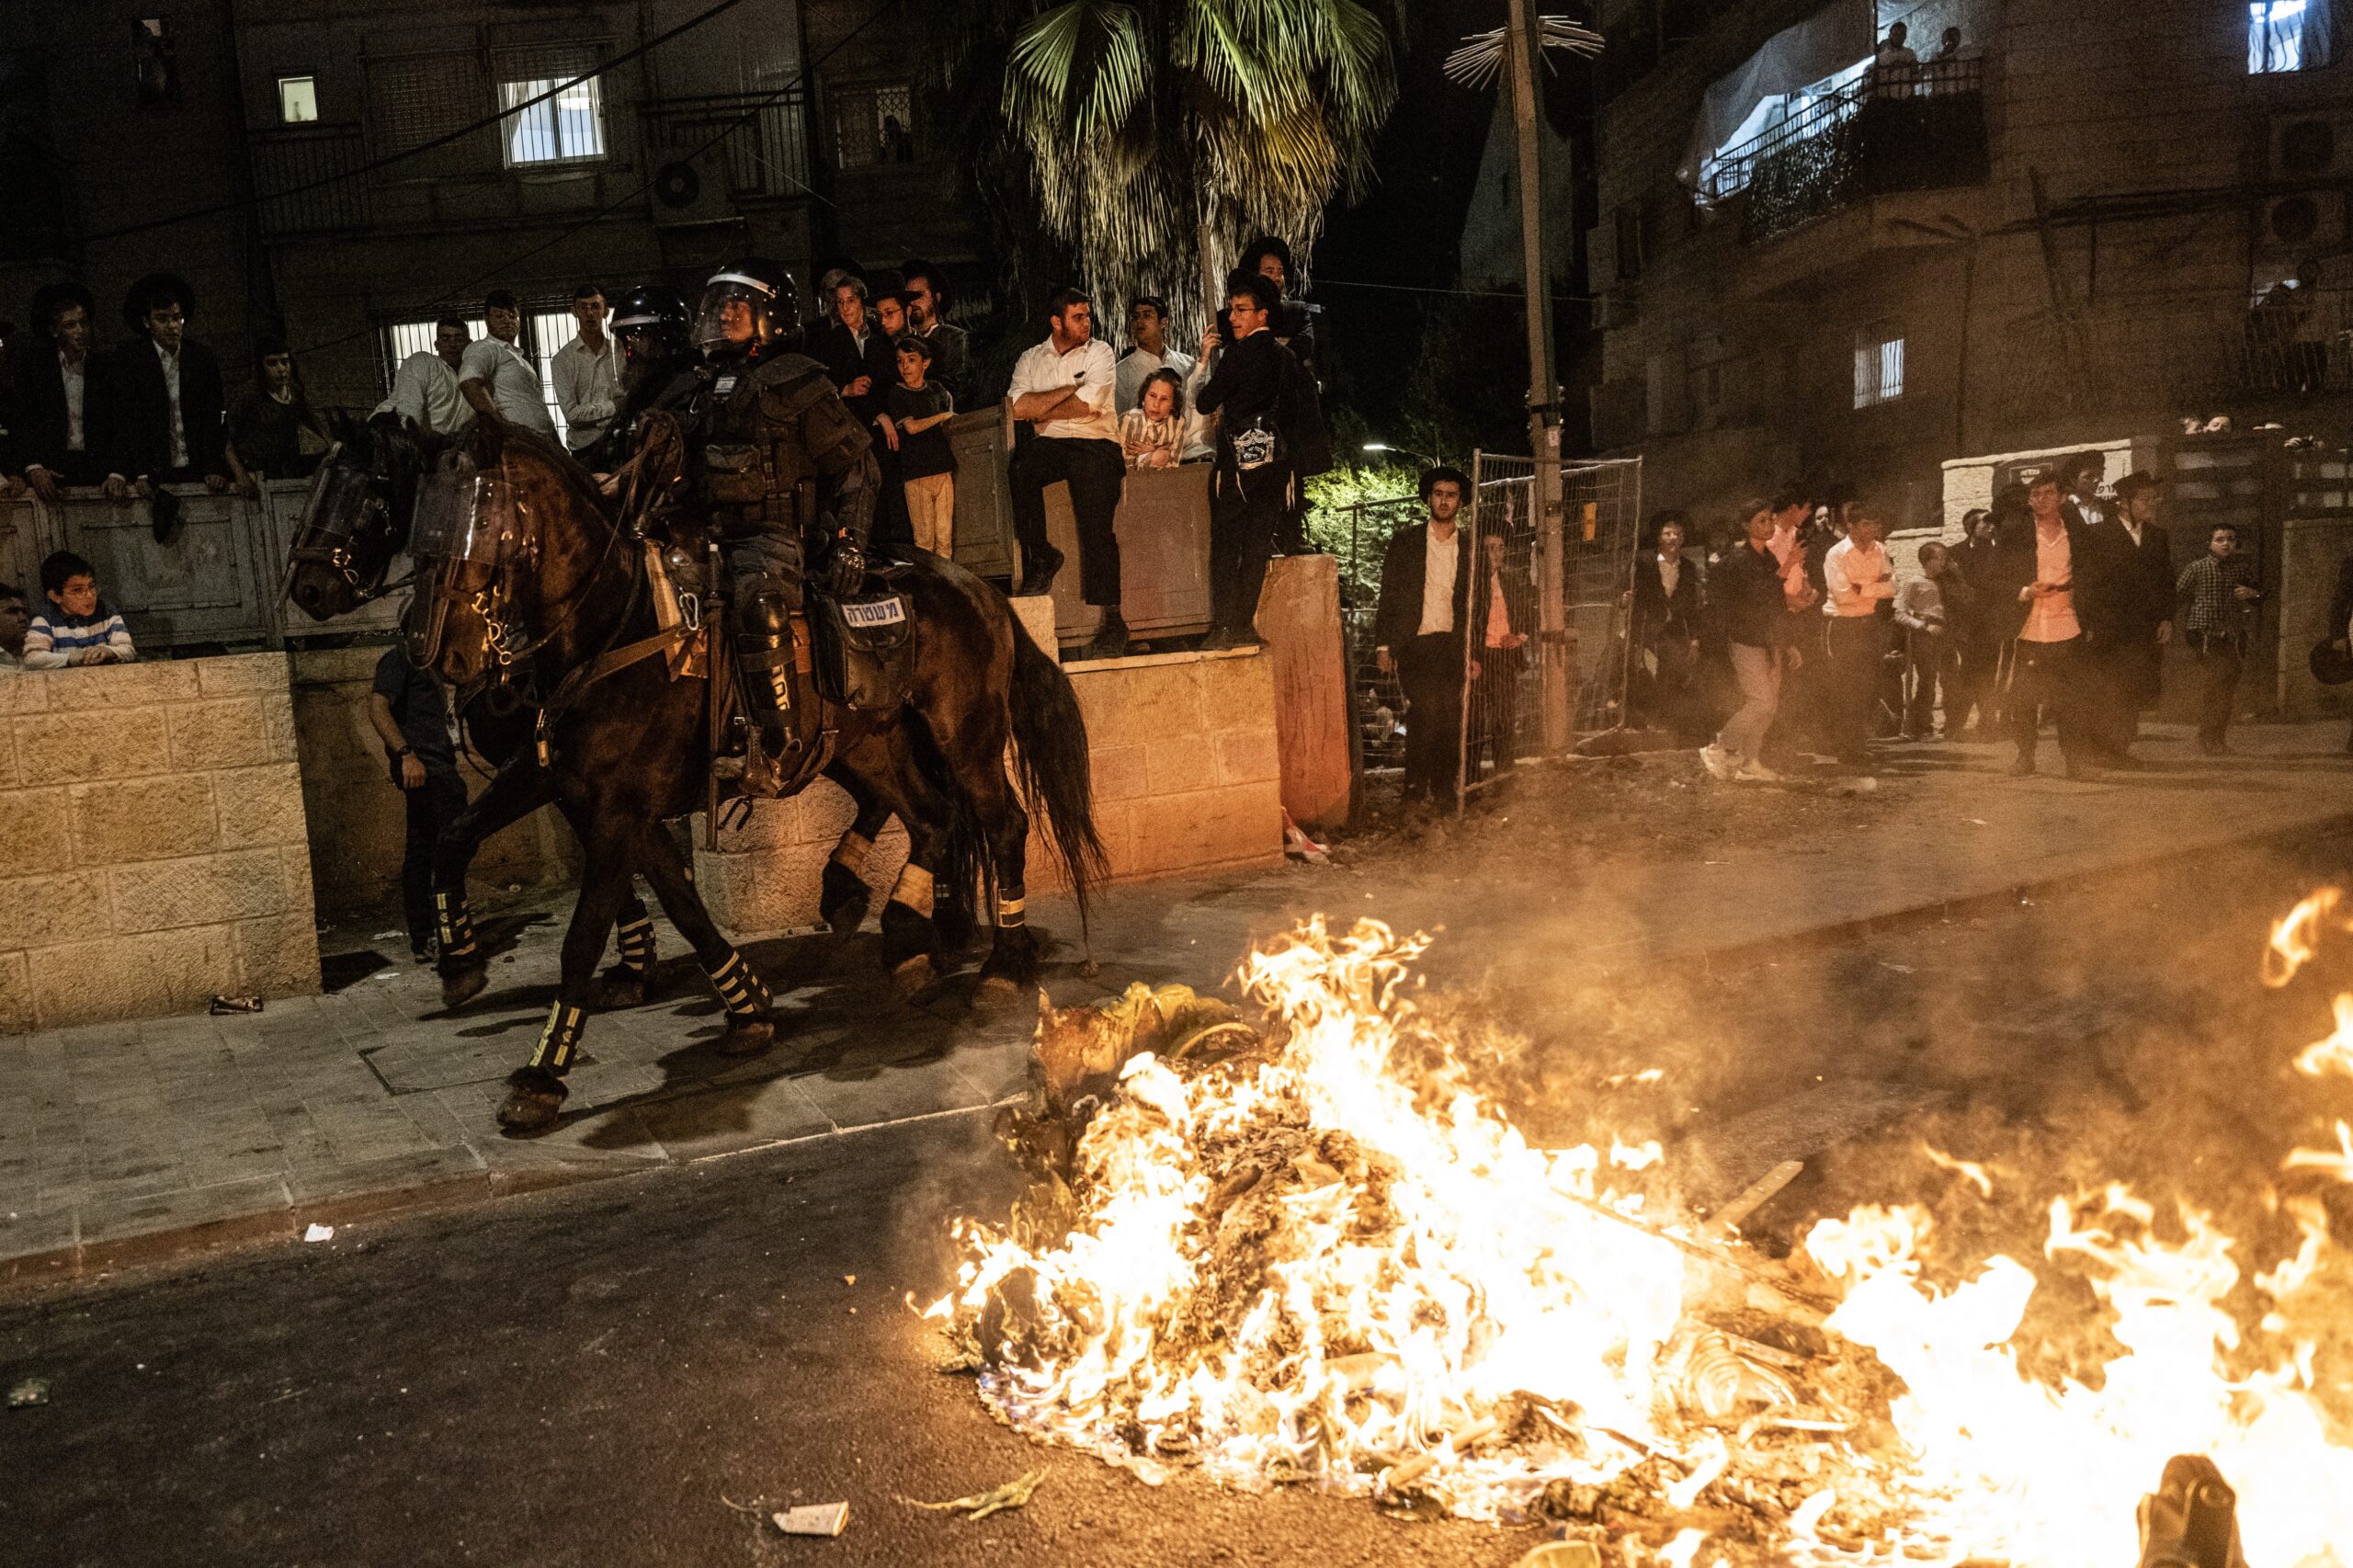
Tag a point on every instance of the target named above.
point(733, 318)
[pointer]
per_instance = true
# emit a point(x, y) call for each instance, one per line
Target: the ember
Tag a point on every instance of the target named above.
point(1314, 1252)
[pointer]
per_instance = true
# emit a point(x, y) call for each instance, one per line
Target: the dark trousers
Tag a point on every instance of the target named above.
point(1430, 669)
point(1245, 513)
point(1494, 710)
point(2047, 679)
point(2129, 686)
point(893, 529)
point(1857, 645)
point(2219, 659)
point(1927, 665)
point(1663, 684)
point(431, 806)
point(1095, 470)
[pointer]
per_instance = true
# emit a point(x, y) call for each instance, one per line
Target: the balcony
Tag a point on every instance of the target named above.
point(1871, 137)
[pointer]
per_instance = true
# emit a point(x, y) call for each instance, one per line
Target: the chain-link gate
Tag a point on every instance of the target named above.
point(1511, 638)
point(1359, 534)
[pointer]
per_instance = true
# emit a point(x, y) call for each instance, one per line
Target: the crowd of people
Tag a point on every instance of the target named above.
point(1788, 635)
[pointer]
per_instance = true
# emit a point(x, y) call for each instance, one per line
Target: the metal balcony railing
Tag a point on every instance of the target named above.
point(1920, 128)
point(2178, 357)
point(762, 146)
point(288, 162)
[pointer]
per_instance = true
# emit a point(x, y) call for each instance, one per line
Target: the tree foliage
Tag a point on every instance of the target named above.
point(1157, 136)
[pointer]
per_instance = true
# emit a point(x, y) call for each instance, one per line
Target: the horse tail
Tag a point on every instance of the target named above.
point(1050, 751)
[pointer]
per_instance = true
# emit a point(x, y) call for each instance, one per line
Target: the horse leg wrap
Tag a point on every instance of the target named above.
point(1010, 906)
point(851, 852)
point(561, 1039)
point(637, 945)
point(914, 890)
point(457, 924)
point(745, 994)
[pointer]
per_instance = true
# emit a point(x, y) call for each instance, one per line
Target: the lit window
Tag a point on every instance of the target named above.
point(2283, 35)
point(1879, 363)
point(550, 330)
point(563, 128)
point(298, 101)
point(405, 339)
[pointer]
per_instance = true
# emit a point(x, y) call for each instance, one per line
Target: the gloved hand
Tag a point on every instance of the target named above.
point(848, 569)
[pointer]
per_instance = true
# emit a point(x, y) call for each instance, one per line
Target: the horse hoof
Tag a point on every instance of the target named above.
point(748, 1037)
point(532, 1104)
point(847, 916)
point(995, 993)
point(461, 986)
point(618, 990)
point(911, 975)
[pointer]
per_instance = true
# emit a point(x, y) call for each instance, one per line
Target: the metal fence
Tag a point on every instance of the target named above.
point(1358, 535)
point(1506, 651)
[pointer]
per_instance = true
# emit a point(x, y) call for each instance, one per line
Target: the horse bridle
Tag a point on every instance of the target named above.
point(315, 545)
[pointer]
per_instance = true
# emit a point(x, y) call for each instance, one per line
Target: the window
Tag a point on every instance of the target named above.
point(1879, 363)
point(874, 124)
point(298, 101)
point(2286, 35)
point(564, 129)
point(546, 332)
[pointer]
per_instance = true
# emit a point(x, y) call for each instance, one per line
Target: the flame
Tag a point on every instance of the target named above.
point(1969, 1171)
point(2333, 1055)
point(2295, 936)
point(1332, 1261)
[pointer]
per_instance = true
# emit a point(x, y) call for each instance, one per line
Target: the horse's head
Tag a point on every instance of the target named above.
point(355, 518)
point(468, 620)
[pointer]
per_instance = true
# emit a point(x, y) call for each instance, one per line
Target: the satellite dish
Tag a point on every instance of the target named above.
point(676, 185)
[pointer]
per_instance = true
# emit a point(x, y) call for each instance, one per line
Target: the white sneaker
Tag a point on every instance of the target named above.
point(1758, 773)
point(1717, 761)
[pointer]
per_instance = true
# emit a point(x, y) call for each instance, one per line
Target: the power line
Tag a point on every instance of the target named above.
point(443, 141)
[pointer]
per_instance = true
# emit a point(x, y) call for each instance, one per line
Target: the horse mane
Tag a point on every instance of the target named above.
point(494, 441)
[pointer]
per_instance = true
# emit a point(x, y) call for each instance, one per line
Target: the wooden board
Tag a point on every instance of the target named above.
point(1299, 615)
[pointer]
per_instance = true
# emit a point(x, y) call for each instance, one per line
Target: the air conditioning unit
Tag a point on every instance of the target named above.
point(2303, 223)
point(2311, 145)
point(688, 190)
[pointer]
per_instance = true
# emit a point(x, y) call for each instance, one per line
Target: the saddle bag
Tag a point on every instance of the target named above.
point(865, 647)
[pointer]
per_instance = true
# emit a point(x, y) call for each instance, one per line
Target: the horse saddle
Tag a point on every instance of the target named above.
point(864, 644)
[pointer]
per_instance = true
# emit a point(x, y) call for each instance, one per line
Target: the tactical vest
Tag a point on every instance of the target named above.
point(750, 457)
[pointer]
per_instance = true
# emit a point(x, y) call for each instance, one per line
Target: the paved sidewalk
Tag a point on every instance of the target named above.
point(124, 1142)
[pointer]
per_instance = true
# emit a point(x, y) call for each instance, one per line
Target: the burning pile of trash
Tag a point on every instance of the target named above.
point(1310, 1250)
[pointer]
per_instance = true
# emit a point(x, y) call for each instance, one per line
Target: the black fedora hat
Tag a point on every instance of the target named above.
point(2330, 665)
point(156, 288)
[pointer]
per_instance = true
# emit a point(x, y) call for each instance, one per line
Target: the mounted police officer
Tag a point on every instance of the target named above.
point(767, 429)
point(652, 325)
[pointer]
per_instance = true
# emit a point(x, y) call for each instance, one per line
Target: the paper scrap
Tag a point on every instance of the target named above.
point(813, 1519)
point(981, 1505)
point(319, 1234)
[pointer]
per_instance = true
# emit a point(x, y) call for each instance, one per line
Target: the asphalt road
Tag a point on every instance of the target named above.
point(589, 1376)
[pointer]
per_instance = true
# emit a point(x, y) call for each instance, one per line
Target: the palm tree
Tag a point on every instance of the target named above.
point(1158, 136)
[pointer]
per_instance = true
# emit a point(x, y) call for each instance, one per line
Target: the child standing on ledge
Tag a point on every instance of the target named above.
point(76, 627)
point(921, 410)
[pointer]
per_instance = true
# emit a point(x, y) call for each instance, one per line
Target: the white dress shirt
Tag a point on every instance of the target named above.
point(76, 377)
point(586, 388)
point(426, 390)
point(1138, 366)
point(1090, 368)
point(512, 380)
point(1858, 579)
point(1440, 561)
point(171, 363)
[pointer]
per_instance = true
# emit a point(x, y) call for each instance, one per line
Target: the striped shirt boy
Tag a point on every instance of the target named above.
point(56, 639)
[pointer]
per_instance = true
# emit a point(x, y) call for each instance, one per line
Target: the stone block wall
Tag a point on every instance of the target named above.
point(359, 823)
point(152, 842)
point(1187, 777)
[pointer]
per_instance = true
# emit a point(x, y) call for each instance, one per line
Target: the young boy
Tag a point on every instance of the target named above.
point(1151, 433)
point(15, 620)
point(921, 410)
point(76, 628)
point(2219, 588)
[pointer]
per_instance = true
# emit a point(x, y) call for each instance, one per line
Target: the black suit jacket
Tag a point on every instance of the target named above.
point(1656, 614)
point(37, 420)
point(1404, 570)
point(2340, 604)
point(2091, 572)
point(2141, 595)
point(139, 410)
point(836, 350)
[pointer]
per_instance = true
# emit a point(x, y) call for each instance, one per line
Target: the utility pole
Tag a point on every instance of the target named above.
point(1523, 59)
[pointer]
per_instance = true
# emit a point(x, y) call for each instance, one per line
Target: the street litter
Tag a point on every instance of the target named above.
point(1898, 968)
point(319, 1234)
point(981, 1505)
point(236, 1004)
point(813, 1519)
point(31, 1392)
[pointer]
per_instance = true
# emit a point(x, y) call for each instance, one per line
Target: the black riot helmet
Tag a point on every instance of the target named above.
point(651, 323)
point(748, 310)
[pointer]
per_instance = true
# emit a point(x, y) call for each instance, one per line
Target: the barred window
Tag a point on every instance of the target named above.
point(874, 123)
point(2287, 35)
point(1879, 363)
point(566, 128)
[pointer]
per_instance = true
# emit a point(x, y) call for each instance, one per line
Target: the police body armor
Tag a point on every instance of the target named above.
point(766, 437)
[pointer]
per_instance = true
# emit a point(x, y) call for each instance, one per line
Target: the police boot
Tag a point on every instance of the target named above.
point(764, 648)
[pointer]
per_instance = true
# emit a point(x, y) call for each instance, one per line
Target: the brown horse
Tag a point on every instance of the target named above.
point(537, 580)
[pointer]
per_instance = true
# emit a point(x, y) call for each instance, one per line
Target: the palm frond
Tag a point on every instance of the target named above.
point(1481, 57)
